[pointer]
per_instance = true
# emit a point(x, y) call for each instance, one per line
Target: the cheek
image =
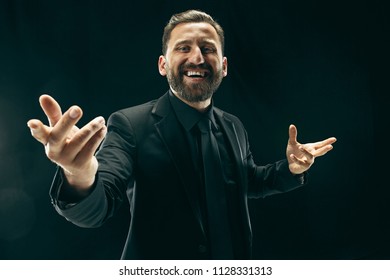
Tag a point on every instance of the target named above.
point(220, 68)
point(174, 68)
point(217, 63)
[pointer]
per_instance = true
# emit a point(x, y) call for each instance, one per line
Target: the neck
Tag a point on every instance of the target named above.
point(201, 106)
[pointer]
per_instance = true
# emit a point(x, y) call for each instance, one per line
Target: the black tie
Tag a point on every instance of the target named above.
point(217, 212)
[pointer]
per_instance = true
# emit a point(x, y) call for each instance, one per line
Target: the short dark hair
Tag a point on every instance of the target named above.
point(188, 17)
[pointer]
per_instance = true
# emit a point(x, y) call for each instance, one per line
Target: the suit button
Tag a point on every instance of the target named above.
point(202, 249)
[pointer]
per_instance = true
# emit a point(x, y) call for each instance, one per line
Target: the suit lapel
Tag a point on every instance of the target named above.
point(231, 133)
point(229, 130)
point(173, 137)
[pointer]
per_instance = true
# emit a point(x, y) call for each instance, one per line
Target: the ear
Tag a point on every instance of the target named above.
point(224, 66)
point(161, 65)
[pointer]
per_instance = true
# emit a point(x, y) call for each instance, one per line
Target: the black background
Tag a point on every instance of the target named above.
point(322, 65)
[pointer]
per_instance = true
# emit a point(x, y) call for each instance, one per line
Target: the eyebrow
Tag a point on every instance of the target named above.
point(188, 41)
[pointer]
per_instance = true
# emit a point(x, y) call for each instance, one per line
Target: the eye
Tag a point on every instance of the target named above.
point(208, 50)
point(183, 48)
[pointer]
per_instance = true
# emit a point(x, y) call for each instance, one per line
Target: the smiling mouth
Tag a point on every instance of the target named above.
point(196, 74)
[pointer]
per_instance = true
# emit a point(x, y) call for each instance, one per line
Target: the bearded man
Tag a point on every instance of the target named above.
point(157, 156)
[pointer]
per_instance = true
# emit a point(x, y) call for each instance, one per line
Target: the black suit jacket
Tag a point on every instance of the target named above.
point(145, 156)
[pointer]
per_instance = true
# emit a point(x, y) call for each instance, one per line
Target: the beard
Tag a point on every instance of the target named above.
point(194, 92)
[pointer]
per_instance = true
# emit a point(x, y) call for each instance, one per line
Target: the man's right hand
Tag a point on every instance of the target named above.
point(68, 146)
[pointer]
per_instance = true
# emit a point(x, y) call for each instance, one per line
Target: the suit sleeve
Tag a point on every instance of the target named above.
point(116, 158)
point(269, 179)
point(273, 179)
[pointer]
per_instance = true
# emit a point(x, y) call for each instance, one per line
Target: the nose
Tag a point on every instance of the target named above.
point(196, 56)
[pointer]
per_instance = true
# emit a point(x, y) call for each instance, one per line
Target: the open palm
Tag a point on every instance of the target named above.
point(301, 156)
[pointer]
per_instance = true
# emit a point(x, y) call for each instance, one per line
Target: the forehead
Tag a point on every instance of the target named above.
point(194, 31)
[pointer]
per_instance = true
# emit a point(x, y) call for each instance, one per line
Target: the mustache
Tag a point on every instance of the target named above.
point(191, 66)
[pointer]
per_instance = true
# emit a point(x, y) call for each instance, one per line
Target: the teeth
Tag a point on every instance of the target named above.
point(195, 73)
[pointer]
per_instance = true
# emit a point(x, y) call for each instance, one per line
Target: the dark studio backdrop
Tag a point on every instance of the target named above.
point(322, 65)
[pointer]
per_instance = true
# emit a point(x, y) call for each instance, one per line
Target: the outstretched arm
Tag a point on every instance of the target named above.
point(68, 146)
point(301, 156)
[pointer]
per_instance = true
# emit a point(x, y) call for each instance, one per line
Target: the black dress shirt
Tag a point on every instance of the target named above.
point(189, 117)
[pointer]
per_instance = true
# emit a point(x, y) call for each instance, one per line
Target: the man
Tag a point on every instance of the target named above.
point(155, 154)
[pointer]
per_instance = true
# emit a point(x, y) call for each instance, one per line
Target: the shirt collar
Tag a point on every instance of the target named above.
point(189, 116)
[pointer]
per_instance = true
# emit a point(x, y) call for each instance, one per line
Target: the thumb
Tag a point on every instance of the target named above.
point(292, 133)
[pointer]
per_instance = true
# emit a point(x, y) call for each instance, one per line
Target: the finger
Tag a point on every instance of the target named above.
point(63, 127)
point(85, 137)
point(308, 154)
point(92, 145)
point(299, 160)
point(39, 131)
point(292, 132)
point(51, 108)
point(325, 142)
point(322, 151)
